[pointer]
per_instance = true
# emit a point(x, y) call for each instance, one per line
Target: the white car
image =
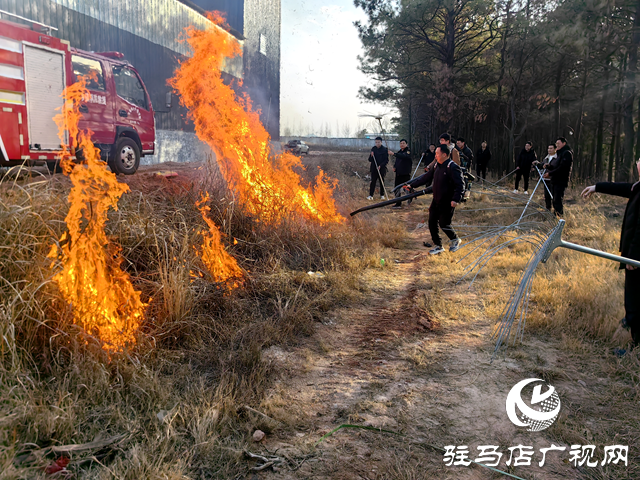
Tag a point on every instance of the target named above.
point(297, 147)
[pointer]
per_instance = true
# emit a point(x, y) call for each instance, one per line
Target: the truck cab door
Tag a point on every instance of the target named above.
point(132, 106)
point(97, 107)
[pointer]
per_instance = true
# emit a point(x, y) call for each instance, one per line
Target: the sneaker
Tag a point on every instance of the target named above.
point(382, 197)
point(454, 244)
point(397, 207)
point(619, 352)
point(369, 197)
point(515, 191)
point(436, 250)
point(427, 244)
point(526, 193)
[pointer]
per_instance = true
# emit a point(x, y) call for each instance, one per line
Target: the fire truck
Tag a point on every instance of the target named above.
point(35, 67)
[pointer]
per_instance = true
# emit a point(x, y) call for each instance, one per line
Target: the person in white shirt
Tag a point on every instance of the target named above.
point(550, 159)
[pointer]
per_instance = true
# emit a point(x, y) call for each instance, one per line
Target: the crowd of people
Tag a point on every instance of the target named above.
point(445, 165)
point(555, 168)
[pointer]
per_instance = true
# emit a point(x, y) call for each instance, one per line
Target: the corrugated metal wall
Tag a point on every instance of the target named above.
point(233, 10)
point(262, 70)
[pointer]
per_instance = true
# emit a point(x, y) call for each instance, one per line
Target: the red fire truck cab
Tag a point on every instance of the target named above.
point(35, 67)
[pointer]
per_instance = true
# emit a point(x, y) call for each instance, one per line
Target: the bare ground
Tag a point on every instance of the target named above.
point(414, 358)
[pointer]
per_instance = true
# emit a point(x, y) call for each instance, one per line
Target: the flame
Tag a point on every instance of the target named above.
point(221, 266)
point(228, 124)
point(102, 297)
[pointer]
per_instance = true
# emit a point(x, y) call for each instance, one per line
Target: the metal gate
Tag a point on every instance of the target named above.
point(44, 78)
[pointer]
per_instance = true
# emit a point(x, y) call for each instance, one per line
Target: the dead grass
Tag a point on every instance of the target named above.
point(179, 394)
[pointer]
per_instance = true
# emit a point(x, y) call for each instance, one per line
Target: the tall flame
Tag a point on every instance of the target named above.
point(221, 266)
point(228, 124)
point(102, 297)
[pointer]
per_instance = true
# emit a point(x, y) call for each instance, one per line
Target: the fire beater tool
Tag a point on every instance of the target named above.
point(395, 200)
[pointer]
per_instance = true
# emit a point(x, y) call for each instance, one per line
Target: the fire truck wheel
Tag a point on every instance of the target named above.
point(54, 167)
point(126, 159)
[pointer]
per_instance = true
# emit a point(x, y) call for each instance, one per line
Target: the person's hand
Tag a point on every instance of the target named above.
point(394, 169)
point(546, 165)
point(391, 153)
point(546, 175)
point(517, 168)
point(378, 167)
point(454, 204)
point(630, 267)
point(371, 154)
point(587, 192)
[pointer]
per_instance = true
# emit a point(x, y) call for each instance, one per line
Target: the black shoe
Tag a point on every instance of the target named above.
point(427, 244)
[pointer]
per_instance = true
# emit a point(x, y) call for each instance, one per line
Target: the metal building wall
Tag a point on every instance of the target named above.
point(233, 10)
point(262, 19)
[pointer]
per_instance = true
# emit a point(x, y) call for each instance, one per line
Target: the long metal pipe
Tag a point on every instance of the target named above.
point(557, 241)
point(3, 12)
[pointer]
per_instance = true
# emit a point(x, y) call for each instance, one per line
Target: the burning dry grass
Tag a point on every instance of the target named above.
point(101, 295)
point(177, 396)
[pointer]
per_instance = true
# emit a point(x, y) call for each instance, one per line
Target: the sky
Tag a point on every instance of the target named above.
point(319, 67)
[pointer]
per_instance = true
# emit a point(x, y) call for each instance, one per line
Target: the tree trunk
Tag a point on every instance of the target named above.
point(614, 142)
point(503, 49)
point(589, 173)
point(638, 137)
point(626, 172)
point(558, 85)
point(578, 156)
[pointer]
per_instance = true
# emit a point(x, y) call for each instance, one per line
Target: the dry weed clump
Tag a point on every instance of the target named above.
point(178, 395)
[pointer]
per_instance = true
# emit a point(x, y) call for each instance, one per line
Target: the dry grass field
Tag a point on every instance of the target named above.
point(400, 344)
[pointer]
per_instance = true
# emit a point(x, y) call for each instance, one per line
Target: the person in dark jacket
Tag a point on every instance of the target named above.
point(523, 166)
point(466, 155)
point(402, 166)
point(430, 155)
point(559, 172)
point(629, 248)
point(448, 188)
point(378, 158)
point(483, 155)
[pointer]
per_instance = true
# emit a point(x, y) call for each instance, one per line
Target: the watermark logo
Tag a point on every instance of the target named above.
point(544, 409)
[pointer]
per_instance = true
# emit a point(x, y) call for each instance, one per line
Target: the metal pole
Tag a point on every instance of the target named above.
point(545, 183)
point(599, 253)
point(384, 189)
point(374, 158)
point(399, 186)
point(418, 166)
point(507, 175)
point(3, 12)
point(556, 241)
point(530, 198)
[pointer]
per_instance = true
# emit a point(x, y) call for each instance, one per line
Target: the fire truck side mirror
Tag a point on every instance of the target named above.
point(168, 99)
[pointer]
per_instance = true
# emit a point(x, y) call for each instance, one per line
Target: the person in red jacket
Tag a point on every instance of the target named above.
point(629, 248)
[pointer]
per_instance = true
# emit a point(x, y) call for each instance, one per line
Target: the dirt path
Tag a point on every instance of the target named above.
point(389, 364)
